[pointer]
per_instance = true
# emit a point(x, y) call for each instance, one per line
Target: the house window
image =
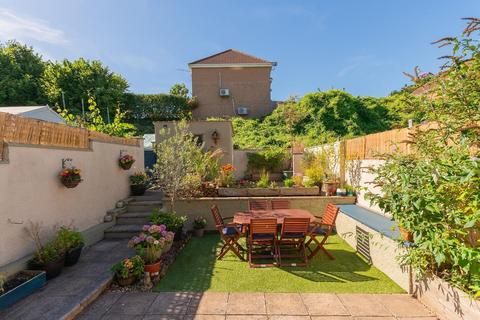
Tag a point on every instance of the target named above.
point(199, 139)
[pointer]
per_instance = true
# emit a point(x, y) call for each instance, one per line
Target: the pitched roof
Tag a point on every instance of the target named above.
point(230, 56)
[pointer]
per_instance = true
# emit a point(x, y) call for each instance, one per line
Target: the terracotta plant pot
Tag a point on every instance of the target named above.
point(405, 234)
point(138, 189)
point(126, 166)
point(70, 183)
point(123, 282)
point(73, 255)
point(330, 188)
point(152, 269)
point(198, 232)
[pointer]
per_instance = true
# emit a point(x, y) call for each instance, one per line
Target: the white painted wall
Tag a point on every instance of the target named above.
point(31, 190)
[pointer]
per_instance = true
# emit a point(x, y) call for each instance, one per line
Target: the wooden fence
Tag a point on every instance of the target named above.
point(372, 146)
point(15, 129)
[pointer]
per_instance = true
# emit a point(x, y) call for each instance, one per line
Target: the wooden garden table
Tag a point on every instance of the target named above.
point(244, 217)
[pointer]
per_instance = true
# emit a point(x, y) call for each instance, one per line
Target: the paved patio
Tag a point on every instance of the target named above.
point(74, 288)
point(257, 306)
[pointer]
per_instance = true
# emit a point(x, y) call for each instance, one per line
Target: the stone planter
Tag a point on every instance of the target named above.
point(300, 191)
point(263, 192)
point(232, 192)
point(446, 301)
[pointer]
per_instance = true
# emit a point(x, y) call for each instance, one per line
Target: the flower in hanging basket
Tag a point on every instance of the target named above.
point(70, 177)
point(126, 161)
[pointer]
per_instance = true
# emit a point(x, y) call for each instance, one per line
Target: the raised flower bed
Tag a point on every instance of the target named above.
point(268, 192)
point(20, 286)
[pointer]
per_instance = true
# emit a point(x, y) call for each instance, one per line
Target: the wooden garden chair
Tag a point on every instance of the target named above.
point(262, 236)
point(280, 204)
point(292, 240)
point(230, 233)
point(323, 227)
point(258, 205)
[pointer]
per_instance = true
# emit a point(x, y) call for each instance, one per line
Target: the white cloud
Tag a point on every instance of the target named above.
point(23, 28)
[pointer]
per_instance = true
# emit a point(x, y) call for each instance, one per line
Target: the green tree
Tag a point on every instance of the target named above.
point(435, 191)
point(80, 78)
point(94, 121)
point(179, 89)
point(21, 70)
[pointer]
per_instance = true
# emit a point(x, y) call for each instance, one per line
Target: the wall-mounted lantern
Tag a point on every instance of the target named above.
point(215, 136)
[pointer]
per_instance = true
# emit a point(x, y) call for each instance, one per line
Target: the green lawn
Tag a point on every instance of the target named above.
point(197, 270)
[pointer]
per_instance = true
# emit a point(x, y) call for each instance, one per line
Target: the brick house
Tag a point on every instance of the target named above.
point(232, 83)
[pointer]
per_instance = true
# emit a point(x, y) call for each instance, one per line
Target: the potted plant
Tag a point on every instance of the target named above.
point(20, 285)
point(71, 243)
point(350, 190)
point(128, 270)
point(126, 161)
point(149, 245)
point(70, 177)
point(49, 259)
point(199, 224)
point(289, 183)
point(171, 220)
point(138, 183)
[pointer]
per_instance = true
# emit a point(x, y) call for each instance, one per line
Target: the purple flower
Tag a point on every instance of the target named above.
point(146, 227)
point(150, 239)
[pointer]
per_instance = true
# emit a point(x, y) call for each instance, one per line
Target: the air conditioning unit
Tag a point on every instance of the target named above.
point(242, 110)
point(224, 93)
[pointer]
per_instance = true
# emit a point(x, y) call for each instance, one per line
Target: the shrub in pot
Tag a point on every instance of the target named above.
point(138, 183)
point(126, 161)
point(199, 224)
point(70, 242)
point(70, 177)
point(171, 220)
point(49, 259)
point(149, 245)
point(128, 270)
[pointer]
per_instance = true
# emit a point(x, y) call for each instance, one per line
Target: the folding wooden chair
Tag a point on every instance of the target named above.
point(262, 236)
point(258, 205)
point(292, 238)
point(324, 228)
point(280, 204)
point(229, 233)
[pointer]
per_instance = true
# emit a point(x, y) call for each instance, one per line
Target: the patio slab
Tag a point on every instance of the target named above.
point(256, 306)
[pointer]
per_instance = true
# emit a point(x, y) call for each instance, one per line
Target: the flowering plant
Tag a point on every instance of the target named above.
point(70, 177)
point(128, 267)
point(199, 223)
point(126, 161)
point(226, 175)
point(139, 178)
point(150, 242)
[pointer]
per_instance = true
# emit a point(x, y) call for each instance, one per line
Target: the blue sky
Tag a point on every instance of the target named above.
point(360, 46)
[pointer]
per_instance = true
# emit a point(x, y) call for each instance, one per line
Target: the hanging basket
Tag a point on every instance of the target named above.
point(71, 183)
point(125, 165)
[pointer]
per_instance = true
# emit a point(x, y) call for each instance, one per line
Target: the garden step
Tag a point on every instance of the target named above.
point(144, 205)
point(123, 231)
point(150, 195)
point(134, 218)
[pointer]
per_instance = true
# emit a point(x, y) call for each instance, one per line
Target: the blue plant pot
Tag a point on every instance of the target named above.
point(23, 290)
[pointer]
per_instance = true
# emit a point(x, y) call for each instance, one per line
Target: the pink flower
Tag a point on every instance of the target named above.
point(150, 239)
point(146, 227)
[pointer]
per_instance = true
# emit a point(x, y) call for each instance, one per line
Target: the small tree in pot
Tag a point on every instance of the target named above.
point(199, 224)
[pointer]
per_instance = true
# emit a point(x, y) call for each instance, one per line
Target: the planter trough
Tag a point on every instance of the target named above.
point(39, 278)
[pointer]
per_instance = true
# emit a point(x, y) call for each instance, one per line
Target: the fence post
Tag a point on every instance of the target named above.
point(342, 158)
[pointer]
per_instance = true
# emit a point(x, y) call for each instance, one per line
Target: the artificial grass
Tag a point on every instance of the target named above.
point(197, 270)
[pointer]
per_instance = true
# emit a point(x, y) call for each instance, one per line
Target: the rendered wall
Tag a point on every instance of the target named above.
point(30, 190)
point(249, 87)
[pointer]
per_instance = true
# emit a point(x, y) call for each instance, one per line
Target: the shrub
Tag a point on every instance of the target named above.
point(199, 223)
point(315, 174)
point(268, 160)
point(67, 238)
point(171, 220)
point(298, 180)
point(264, 180)
point(288, 182)
point(308, 183)
point(129, 267)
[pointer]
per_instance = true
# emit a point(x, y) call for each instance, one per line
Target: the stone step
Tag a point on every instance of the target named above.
point(123, 231)
point(150, 195)
point(144, 205)
point(134, 218)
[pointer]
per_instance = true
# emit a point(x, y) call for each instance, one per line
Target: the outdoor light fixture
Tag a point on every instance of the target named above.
point(215, 136)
